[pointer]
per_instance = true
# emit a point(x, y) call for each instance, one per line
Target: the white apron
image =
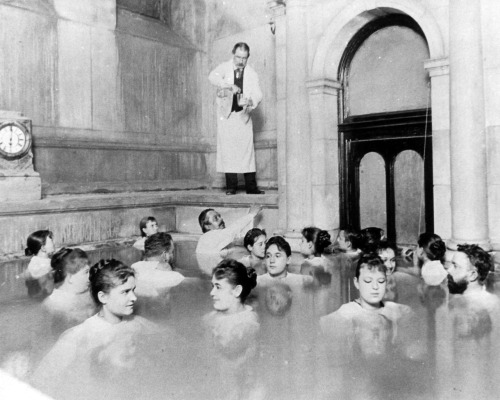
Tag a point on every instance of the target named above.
point(235, 151)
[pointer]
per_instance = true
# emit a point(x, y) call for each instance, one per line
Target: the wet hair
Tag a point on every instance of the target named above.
point(385, 245)
point(371, 261)
point(203, 219)
point(107, 274)
point(243, 46)
point(320, 239)
point(353, 236)
point(236, 274)
point(433, 246)
point(252, 235)
point(144, 224)
point(67, 261)
point(280, 243)
point(479, 258)
point(157, 244)
point(36, 241)
point(370, 239)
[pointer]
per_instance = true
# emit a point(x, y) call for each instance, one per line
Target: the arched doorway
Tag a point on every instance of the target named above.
point(385, 130)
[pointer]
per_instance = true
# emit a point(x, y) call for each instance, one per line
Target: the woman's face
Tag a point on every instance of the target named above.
point(49, 246)
point(80, 279)
point(224, 295)
point(371, 285)
point(389, 259)
point(151, 228)
point(306, 248)
point(120, 300)
point(259, 247)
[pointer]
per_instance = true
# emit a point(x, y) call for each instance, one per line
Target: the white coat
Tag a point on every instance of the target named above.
point(235, 150)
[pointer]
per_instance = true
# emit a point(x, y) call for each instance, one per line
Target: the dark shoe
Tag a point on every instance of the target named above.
point(256, 192)
point(230, 192)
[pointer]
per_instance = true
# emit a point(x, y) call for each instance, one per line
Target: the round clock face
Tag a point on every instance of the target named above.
point(14, 140)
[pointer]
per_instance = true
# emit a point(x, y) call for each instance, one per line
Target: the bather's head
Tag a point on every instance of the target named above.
point(314, 241)
point(210, 220)
point(370, 280)
point(430, 247)
point(112, 286)
point(255, 242)
point(387, 253)
point(40, 243)
point(231, 285)
point(370, 239)
point(278, 256)
point(349, 239)
point(71, 267)
point(470, 266)
point(148, 226)
point(159, 246)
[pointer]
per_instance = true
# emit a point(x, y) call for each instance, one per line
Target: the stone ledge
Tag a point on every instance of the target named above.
point(84, 188)
point(88, 202)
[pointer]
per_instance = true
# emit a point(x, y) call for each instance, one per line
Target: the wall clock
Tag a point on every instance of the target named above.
point(15, 139)
point(19, 180)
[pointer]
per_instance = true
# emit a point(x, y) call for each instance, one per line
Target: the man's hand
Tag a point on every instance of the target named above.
point(255, 210)
point(235, 89)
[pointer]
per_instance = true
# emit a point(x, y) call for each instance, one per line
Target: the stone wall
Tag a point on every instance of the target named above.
point(114, 96)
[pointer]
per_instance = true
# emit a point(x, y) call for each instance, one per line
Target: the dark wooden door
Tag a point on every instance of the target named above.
point(387, 135)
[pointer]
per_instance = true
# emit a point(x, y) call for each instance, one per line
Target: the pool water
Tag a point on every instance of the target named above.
point(285, 360)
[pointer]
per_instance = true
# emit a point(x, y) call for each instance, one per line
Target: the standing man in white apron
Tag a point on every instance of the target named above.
point(238, 94)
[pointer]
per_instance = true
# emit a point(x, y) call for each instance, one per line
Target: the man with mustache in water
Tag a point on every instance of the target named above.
point(212, 245)
point(467, 329)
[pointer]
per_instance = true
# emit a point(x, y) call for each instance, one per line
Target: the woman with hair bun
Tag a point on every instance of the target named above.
point(313, 246)
point(232, 328)
point(38, 275)
point(70, 302)
point(106, 342)
point(430, 255)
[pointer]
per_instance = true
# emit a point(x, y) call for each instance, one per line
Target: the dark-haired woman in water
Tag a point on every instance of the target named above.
point(104, 345)
point(70, 302)
point(232, 329)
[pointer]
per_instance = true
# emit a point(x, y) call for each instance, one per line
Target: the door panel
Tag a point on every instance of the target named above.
point(409, 200)
point(372, 191)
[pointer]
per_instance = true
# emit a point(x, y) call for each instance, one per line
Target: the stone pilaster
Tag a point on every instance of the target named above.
point(323, 100)
point(469, 198)
point(298, 137)
point(439, 73)
point(278, 15)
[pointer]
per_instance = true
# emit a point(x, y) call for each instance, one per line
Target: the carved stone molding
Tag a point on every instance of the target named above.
point(317, 86)
point(437, 66)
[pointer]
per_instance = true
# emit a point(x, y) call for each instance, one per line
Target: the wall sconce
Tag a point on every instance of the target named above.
point(273, 7)
point(272, 25)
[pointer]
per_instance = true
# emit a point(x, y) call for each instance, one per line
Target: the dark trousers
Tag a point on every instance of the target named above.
point(250, 181)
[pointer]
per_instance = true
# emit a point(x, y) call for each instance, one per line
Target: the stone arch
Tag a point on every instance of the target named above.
point(352, 18)
point(324, 88)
